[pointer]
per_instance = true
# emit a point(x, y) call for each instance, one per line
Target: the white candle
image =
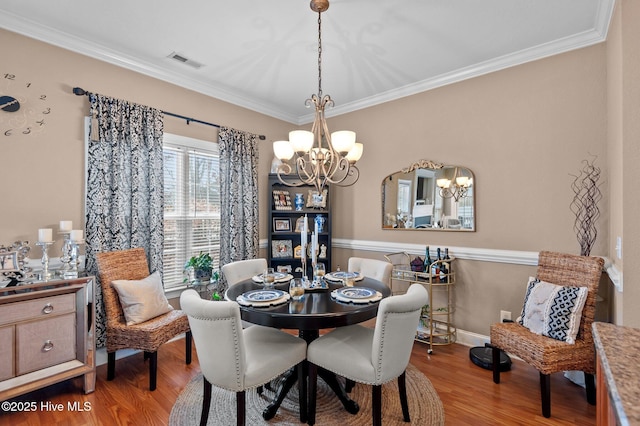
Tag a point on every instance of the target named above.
point(66, 225)
point(314, 239)
point(303, 238)
point(76, 235)
point(45, 235)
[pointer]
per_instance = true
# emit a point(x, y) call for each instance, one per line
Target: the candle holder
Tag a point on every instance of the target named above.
point(74, 248)
point(66, 251)
point(45, 274)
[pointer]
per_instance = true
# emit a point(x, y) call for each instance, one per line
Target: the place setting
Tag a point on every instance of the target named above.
point(270, 277)
point(345, 277)
point(261, 298)
point(356, 295)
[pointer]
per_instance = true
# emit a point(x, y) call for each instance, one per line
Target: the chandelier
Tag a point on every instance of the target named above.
point(457, 187)
point(321, 157)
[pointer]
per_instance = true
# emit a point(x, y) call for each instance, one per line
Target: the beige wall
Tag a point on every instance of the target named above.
point(624, 147)
point(43, 175)
point(523, 131)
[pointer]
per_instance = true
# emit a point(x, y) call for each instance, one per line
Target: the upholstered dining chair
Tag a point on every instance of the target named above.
point(371, 356)
point(546, 354)
point(130, 268)
point(241, 270)
point(238, 359)
point(377, 269)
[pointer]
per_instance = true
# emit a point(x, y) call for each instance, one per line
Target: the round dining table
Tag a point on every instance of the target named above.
point(316, 310)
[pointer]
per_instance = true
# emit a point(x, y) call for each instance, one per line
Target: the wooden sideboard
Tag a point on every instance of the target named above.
point(46, 335)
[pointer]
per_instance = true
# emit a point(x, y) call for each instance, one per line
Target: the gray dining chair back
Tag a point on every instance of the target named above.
point(235, 359)
point(241, 270)
point(377, 269)
point(371, 356)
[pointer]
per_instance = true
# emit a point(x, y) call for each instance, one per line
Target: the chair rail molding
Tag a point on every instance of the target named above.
point(468, 253)
point(516, 257)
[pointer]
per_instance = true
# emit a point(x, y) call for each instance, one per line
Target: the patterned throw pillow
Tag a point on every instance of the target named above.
point(142, 300)
point(553, 310)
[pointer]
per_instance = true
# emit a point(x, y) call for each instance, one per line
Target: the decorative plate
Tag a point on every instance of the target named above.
point(341, 275)
point(263, 295)
point(279, 277)
point(356, 292)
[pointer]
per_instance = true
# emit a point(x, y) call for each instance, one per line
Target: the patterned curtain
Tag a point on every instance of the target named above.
point(238, 195)
point(124, 193)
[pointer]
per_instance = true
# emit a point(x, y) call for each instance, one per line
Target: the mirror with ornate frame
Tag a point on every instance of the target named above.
point(429, 196)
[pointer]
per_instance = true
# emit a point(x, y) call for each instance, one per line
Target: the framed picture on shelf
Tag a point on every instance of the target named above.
point(281, 248)
point(316, 199)
point(281, 224)
point(282, 199)
point(297, 252)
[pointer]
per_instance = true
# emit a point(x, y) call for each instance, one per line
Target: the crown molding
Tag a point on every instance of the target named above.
point(75, 44)
point(52, 36)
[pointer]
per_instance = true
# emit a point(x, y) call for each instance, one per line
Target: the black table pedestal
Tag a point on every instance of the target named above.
point(291, 378)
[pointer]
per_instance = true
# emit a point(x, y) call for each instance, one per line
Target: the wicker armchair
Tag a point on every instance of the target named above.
point(132, 264)
point(549, 355)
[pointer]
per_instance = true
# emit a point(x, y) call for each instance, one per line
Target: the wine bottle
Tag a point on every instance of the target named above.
point(444, 271)
point(435, 269)
point(427, 261)
point(447, 264)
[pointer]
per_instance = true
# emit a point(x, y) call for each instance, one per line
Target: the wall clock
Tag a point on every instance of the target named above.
point(23, 107)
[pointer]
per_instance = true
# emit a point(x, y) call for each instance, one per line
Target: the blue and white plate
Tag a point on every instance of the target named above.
point(280, 277)
point(263, 295)
point(356, 292)
point(339, 276)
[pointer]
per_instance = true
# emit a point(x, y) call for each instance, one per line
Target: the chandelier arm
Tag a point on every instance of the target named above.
point(286, 169)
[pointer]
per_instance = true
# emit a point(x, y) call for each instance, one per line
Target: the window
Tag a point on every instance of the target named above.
point(404, 196)
point(191, 204)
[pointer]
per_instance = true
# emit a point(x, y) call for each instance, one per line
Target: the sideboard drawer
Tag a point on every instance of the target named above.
point(42, 307)
point(6, 352)
point(41, 344)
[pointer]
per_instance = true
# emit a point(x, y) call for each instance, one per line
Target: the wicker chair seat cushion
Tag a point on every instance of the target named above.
point(553, 310)
point(143, 299)
point(547, 355)
point(149, 335)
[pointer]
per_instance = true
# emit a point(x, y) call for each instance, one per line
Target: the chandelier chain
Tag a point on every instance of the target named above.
point(319, 54)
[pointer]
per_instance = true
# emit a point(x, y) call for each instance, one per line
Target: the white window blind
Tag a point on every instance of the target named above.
point(191, 204)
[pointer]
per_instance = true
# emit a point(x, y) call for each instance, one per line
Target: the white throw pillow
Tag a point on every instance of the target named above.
point(552, 310)
point(142, 300)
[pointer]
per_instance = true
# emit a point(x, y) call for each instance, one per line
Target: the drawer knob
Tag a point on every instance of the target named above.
point(48, 345)
point(48, 308)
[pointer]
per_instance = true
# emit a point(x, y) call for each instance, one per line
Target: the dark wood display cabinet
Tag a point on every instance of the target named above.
point(286, 222)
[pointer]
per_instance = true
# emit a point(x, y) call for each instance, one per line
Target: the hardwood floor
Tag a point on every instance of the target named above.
point(468, 393)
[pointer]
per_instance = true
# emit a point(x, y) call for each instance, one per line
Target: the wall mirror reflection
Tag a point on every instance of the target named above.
point(429, 196)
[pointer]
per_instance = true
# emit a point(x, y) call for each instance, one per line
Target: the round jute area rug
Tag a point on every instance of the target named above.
point(425, 406)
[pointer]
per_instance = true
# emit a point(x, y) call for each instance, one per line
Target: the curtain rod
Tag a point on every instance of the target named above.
point(81, 92)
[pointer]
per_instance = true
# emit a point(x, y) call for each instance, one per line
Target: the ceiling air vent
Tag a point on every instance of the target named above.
point(178, 57)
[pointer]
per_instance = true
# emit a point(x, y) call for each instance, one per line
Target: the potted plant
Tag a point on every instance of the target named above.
point(202, 266)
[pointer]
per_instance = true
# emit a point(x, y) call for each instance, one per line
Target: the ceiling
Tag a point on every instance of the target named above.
point(262, 55)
